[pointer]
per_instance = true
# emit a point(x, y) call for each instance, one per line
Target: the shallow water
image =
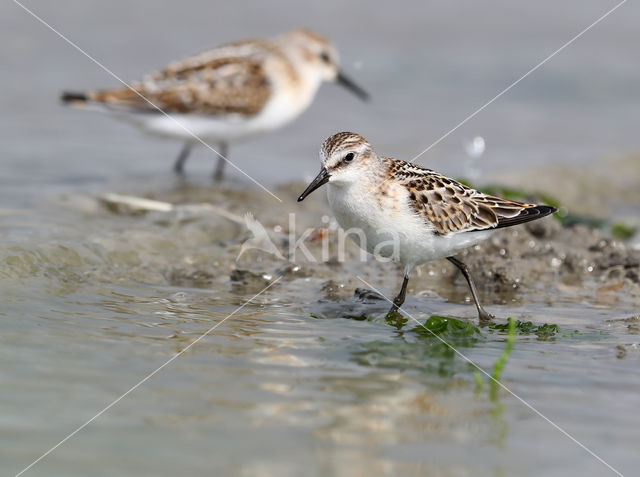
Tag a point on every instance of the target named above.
point(94, 300)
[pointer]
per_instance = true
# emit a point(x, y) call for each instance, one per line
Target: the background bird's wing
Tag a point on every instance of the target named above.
point(453, 207)
point(226, 80)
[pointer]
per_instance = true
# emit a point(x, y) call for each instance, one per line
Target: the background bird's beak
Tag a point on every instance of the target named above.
point(321, 179)
point(351, 86)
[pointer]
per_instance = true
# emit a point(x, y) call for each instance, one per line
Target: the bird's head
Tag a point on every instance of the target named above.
point(346, 158)
point(318, 57)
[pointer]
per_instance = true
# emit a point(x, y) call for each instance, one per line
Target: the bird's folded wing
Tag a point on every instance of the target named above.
point(449, 206)
point(208, 84)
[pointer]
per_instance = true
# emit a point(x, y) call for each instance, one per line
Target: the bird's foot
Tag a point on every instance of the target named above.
point(484, 317)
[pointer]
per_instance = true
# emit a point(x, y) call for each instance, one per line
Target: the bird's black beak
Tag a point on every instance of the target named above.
point(351, 86)
point(321, 179)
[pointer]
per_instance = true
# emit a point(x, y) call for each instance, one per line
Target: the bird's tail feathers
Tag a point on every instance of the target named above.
point(91, 101)
point(81, 100)
point(72, 97)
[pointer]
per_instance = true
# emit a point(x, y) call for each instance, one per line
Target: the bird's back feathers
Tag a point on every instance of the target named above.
point(450, 206)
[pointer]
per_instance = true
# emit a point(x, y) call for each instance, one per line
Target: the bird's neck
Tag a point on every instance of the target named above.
point(304, 79)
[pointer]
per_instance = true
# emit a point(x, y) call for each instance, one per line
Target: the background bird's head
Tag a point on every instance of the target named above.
point(317, 57)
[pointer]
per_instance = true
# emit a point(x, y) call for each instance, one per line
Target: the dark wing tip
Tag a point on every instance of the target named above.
point(72, 97)
point(526, 215)
point(545, 210)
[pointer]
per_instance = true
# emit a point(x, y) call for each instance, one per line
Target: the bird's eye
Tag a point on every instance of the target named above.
point(324, 56)
point(349, 157)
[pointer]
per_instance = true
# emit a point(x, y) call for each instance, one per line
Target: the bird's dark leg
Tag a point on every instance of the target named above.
point(178, 166)
point(223, 151)
point(399, 300)
point(483, 316)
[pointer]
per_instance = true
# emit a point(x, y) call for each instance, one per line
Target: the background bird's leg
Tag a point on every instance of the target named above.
point(483, 316)
point(178, 166)
point(223, 152)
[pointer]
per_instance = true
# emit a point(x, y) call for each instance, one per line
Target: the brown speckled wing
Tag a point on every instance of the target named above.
point(206, 84)
point(453, 207)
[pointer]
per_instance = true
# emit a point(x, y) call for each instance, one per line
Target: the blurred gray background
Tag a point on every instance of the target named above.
point(428, 65)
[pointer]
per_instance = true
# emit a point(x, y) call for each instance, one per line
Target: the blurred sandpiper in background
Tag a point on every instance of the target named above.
point(308, 379)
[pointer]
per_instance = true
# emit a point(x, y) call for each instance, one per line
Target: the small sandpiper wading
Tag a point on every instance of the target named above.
point(225, 94)
point(407, 212)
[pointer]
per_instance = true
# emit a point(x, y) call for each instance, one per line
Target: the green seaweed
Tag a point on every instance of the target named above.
point(451, 330)
point(499, 425)
point(543, 332)
point(498, 366)
point(433, 352)
point(443, 335)
point(360, 317)
point(547, 331)
point(622, 231)
point(479, 384)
